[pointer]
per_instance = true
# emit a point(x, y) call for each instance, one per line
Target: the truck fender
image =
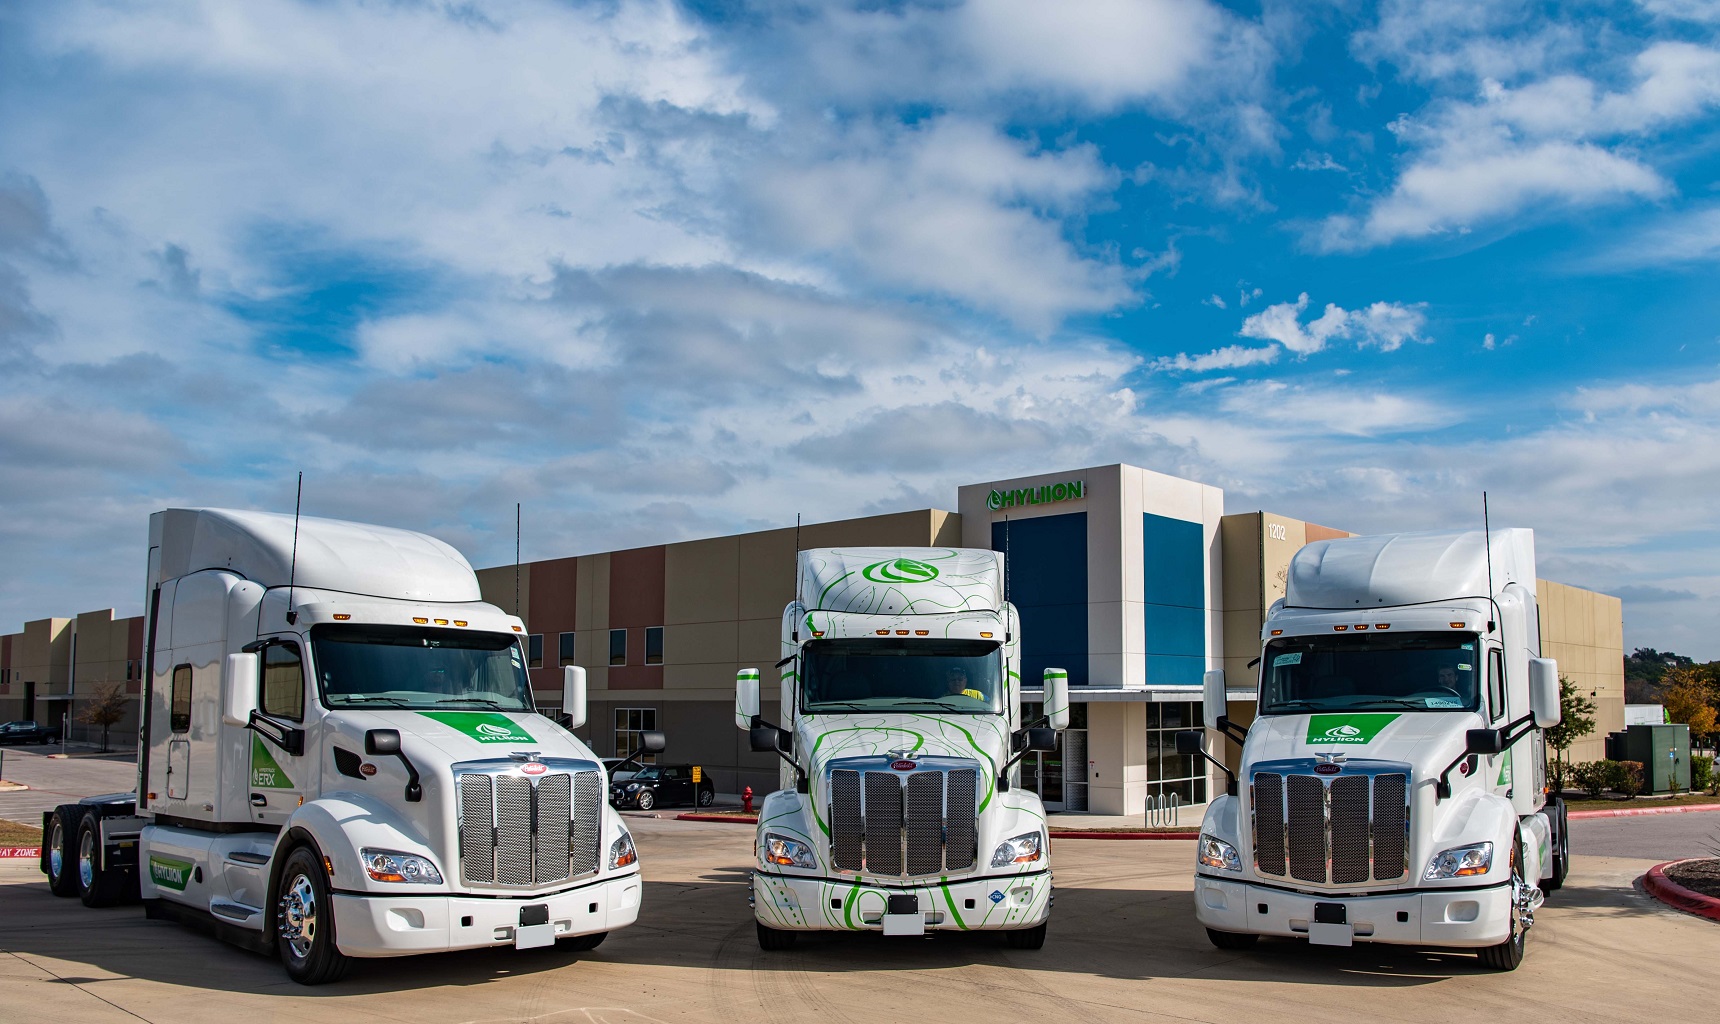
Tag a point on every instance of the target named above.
point(342, 824)
point(1477, 817)
point(782, 812)
point(1536, 834)
point(1220, 820)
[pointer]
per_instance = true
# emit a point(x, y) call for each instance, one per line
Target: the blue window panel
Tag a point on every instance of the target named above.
point(1179, 631)
point(1174, 588)
point(1046, 562)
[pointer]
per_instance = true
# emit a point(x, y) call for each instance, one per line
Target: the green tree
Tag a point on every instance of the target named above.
point(105, 709)
point(1576, 720)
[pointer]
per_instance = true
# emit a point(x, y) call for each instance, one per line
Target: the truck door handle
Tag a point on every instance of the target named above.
point(259, 800)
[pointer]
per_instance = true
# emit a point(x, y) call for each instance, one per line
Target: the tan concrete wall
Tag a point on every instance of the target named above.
point(1117, 757)
point(1584, 632)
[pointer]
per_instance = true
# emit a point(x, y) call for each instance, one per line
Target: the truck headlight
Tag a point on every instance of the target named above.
point(1026, 848)
point(622, 851)
point(1216, 853)
point(394, 866)
point(1460, 862)
point(792, 853)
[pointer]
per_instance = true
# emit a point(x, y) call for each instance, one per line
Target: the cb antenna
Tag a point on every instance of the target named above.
point(1008, 570)
point(794, 631)
point(293, 566)
point(1487, 539)
point(516, 559)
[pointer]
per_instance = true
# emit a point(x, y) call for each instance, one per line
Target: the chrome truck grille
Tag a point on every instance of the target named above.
point(915, 821)
point(519, 830)
point(1341, 829)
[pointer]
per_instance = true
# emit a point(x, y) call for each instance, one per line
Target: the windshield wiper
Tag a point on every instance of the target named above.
point(373, 700)
point(822, 705)
point(473, 700)
point(1304, 704)
point(1398, 702)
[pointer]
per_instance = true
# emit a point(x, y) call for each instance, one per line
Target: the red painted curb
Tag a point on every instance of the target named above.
point(1631, 812)
point(1125, 835)
point(732, 819)
point(1674, 895)
point(20, 852)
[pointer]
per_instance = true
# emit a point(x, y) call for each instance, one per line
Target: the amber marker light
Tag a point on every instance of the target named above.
point(441, 622)
point(1382, 625)
point(901, 632)
point(1456, 625)
point(1361, 626)
point(883, 632)
point(1340, 629)
point(342, 616)
point(459, 622)
point(922, 632)
point(519, 629)
point(985, 636)
point(421, 620)
point(1278, 632)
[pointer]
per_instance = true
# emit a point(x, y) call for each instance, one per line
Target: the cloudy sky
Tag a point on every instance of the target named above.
point(662, 270)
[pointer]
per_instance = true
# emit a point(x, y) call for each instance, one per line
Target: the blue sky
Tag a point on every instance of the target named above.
point(663, 270)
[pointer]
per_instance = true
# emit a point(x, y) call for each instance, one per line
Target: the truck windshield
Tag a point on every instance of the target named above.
point(889, 675)
point(418, 667)
point(1371, 671)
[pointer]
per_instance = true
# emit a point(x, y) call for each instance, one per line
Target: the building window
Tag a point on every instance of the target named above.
point(180, 720)
point(629, 724)
point(283, 682)
point(1170, 773)
point(618, 647)
point(534, 651)
point(564, 648)
point(653, 645)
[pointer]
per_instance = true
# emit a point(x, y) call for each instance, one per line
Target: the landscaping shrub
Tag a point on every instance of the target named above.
point(1592, 777)
point(1626, 777)
point(1701, 772)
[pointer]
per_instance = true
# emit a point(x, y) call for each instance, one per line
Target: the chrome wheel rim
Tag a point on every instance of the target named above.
point(298, 915)
point(87, 858)
point(57, 851)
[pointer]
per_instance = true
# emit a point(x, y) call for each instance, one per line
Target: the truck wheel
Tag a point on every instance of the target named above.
point(774, 938)
point(646, 800)
point(101, 887)
point(1026, 938)
point(59, 848)
point(1231, 940)
point(1561, 846)
point(304, 922)
point(707, 797)
point(1509, 954)
point(581, 943)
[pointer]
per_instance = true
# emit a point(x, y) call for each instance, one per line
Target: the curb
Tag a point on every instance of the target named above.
point(7, 786)
point(20, 852)
point(1677, 896)
point(1632, 812)
point(733, 819)
point(1125, 835)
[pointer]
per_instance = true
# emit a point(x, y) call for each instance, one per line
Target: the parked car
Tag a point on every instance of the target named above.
point(656, 785)
point(610, 764)
point(28, 732)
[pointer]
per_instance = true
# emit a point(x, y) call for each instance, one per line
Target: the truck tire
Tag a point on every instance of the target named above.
point(59, 850)
point(304, 919)
point(1508, 955)
point(581, 943)
point(1231, 940)
point(646, 800)
point(707, 797)
point(100, 887)
point(1026, 938)
point(774, 938)
point(1561, 846)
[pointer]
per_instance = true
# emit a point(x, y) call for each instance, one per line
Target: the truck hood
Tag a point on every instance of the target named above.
point(447, 737)
point(1427, 741)
point(982, 738)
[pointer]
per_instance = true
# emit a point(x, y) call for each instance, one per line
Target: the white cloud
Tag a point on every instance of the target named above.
point(1229, 357)
point(1685, 236)
point(1386, 325)
point(1312, 411)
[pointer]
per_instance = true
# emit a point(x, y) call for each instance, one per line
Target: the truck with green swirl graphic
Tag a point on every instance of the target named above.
point(901, 729)
point(1393, 785)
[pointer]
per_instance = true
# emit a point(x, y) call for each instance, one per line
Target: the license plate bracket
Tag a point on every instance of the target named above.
point(1330, 934)
point(902, 915)
point(534, 930)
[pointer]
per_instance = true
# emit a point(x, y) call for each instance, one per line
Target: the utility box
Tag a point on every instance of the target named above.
point(1663, 750)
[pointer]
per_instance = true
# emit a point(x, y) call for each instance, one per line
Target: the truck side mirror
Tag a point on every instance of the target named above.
point(1212, 698)
point(1484, 741)
point(240, 696)
point(764, 738)
point(652, 741)
point(1191, 743)
point(382, 742)
point(573, 695)
point(1057, 698)
point(1544, 692)
point(1042, 739)
point(746, 698)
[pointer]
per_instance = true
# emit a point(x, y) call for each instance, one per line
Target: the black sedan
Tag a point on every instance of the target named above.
point(657, 785)
point(28, 732)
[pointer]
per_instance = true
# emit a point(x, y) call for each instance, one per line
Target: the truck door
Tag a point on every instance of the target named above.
point(283, 760)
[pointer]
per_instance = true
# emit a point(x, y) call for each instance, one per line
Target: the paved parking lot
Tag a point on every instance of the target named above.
point(1123, 946)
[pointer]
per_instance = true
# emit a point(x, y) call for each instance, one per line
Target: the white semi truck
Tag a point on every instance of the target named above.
point(339, 757)
point(900, 736)
point(1393, 784)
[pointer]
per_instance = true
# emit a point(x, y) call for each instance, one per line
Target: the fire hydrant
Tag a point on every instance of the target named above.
point(746, 800)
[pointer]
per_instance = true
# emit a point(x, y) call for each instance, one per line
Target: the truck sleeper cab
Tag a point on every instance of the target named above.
point(341, 758)
point(1392, 786)
point(900, 729)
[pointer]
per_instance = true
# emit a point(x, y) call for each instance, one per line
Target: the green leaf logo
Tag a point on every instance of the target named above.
point(900, 570)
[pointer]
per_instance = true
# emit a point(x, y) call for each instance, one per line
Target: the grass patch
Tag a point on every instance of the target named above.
point(14, 833)
point(1607, 803)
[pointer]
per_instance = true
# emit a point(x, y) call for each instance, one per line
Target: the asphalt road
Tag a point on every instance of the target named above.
point(1123, 946)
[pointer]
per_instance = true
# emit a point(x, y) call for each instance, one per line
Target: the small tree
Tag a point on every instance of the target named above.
point(105, 709)
point(1689, 696)
point(1576, 720)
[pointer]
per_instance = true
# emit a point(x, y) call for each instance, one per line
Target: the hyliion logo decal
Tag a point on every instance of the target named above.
point(1346, 728)
point(169, 872)
point(483, 726)
point(900, 570)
